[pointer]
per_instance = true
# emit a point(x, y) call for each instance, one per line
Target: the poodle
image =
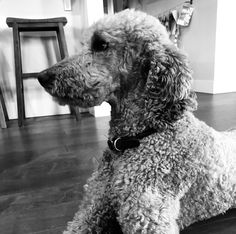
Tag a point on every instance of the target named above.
point(163, 168)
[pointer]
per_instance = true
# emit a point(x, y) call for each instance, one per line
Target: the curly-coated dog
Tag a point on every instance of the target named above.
point(164, 169)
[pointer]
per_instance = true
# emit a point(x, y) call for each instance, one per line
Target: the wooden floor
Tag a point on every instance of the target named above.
point(44, 165)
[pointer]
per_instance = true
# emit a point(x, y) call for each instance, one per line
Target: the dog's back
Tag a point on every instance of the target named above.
point(213, 191)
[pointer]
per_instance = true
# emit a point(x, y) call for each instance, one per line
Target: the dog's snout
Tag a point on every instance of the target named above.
point(46, 79)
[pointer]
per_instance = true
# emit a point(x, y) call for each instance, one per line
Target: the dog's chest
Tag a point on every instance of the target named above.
point(159, 161)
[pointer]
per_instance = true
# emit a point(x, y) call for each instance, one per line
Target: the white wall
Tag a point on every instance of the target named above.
point(197, 40)
point(225, 78)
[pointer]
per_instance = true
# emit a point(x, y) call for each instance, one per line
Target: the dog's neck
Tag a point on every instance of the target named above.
point(127, 117)
point(125, 127)
point(131, 119)
point(136, 113)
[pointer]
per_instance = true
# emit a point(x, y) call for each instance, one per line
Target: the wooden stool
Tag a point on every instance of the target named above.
point(3, 112)
point(28, 25)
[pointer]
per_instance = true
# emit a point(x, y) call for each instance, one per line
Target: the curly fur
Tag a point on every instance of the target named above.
point(184, 172)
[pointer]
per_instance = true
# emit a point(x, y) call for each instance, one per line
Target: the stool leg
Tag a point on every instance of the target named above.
point(2, 117)
point(2, 101)
point(18, 74)
point(62, 41)
point(75, 111)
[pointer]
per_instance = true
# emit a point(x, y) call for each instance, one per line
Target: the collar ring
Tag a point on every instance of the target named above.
point(114, 144)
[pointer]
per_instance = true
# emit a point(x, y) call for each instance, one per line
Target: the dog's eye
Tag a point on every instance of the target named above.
point(99, 44)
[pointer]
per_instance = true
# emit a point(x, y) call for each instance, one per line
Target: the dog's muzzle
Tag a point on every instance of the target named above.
point(46, 79)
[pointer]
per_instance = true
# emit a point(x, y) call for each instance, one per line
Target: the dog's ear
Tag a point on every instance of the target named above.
point(168, 81)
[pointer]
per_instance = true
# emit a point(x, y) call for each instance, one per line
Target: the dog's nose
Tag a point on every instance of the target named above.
point(46, 79)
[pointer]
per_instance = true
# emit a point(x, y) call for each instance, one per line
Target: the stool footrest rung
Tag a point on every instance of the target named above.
point(30, 75)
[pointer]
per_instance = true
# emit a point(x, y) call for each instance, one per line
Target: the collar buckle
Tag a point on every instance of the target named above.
point(115, 144)
point(120, 144)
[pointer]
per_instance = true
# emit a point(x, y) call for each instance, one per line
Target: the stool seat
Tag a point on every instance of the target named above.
point(36, 24)
point(29, 25)
point(11, 20)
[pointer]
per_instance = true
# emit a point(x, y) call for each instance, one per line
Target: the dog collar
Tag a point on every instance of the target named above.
point(120, 144)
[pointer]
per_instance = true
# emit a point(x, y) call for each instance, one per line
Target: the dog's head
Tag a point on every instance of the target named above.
point(127, 60)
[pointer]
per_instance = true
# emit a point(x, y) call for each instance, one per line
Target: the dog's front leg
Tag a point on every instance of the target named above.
point(88, 218)
point(149, 213)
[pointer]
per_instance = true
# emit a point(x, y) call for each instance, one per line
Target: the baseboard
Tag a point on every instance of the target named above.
point(203, 86)
point(103, 110)
point(214, 87)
